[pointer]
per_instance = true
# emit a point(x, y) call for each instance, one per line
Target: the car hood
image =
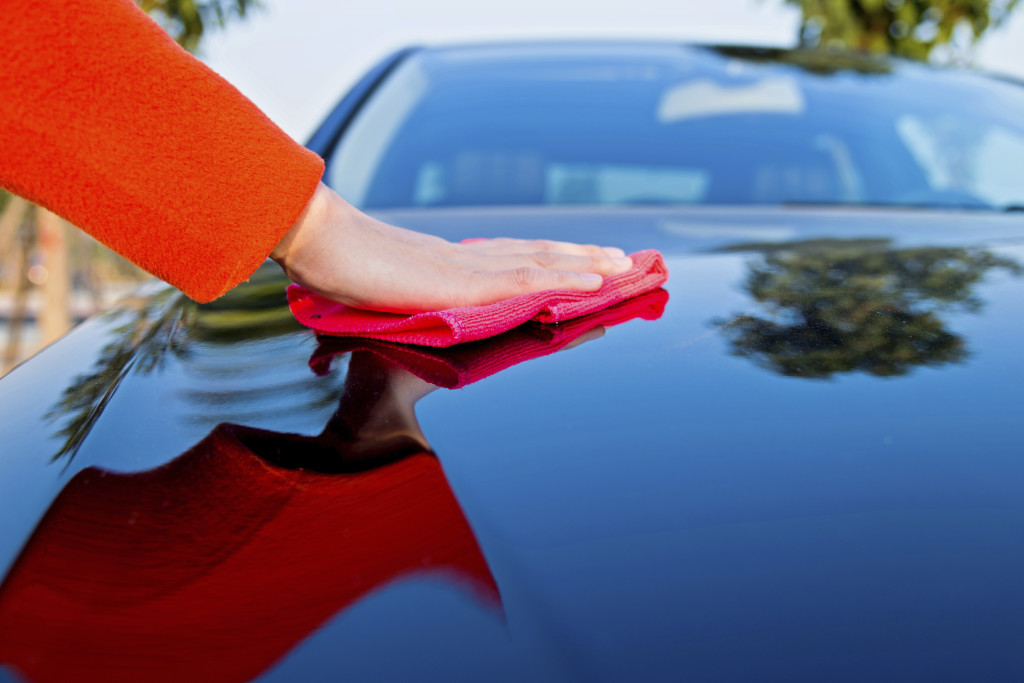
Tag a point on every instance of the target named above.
point(801, 463)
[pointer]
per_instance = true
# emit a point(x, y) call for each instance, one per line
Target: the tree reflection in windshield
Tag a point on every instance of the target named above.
point(837, 306)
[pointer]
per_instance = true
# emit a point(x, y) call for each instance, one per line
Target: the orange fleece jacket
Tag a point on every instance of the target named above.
point(107, 122)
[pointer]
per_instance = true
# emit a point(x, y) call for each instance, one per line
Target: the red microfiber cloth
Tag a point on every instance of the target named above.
point(470, 323)
point(472, 362)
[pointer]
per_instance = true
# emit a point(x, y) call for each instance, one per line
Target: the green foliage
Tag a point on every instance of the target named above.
point(858, 305)
point(907, 28)
point(186, 20)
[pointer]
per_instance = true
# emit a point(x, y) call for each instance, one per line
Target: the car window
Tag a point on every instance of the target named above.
point(975, 159)
point(459, 129)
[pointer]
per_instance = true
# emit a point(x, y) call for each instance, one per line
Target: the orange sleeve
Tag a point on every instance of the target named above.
point(107, 122)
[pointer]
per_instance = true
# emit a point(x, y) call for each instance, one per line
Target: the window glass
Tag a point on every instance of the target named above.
point(618, 184)
point(535, 126)
point(974, 158)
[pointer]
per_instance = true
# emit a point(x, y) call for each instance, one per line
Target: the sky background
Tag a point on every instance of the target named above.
point(295, 58)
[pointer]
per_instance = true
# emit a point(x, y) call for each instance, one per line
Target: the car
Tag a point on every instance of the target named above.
point(799, 461)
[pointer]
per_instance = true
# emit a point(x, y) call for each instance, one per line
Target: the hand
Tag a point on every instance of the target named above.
point(341, 253)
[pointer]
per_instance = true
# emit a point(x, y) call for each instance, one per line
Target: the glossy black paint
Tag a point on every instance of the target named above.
point(649, 504)
point(808, 468)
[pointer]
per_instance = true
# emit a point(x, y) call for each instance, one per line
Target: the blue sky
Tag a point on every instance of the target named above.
point(294, 58)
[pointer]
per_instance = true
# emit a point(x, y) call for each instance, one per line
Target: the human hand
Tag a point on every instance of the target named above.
point(341, 253)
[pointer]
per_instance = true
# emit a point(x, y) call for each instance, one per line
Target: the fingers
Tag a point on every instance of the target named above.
point(504, 284)
point(505, 246)
point(550, 260)
point(512, 267)
point(345, 255)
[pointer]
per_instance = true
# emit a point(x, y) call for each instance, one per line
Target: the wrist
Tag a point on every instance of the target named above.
point(314, 215)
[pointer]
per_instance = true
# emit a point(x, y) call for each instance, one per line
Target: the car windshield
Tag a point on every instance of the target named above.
point(668, 125)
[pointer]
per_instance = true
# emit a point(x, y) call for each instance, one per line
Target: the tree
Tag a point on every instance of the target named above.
point(187, 19)
point(906, 28)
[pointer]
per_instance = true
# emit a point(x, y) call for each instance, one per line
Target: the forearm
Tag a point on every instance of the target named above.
point(107, 122)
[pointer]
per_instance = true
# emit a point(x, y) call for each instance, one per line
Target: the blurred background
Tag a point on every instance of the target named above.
point(295, 58)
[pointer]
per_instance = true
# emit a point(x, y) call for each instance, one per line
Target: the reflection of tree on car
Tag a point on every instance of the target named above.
point(216, 564)
point(857, 305)
point(722, 529)
point(150, 329)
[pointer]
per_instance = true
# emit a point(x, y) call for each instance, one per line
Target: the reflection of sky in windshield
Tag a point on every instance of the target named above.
point(650, 125)
point(700, 98)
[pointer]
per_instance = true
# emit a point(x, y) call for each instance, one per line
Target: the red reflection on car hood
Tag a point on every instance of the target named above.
point(216, 564)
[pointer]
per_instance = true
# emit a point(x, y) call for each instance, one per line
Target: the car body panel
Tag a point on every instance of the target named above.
point(669, 500)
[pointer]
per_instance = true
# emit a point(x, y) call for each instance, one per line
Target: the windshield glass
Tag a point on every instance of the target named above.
point(665, 125)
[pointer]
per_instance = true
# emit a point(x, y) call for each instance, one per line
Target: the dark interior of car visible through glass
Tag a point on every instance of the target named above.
point(664, 126)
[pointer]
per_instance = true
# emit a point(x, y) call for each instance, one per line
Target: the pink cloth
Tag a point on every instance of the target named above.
point(469, 363)
point(469, 323)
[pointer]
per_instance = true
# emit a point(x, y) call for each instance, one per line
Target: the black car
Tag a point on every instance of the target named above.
point(799, 461)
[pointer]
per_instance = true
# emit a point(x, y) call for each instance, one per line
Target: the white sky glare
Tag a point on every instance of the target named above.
point(295, 58)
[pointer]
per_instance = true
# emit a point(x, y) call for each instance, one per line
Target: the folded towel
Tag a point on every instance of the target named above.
point(472, 362)
point(469, 323)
